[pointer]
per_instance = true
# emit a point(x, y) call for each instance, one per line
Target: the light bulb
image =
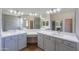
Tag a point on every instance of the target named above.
point(54, 11)
point(22, 13)
point(47, 12)
point(15, 12)
point(35, 14)
point(50, 11)
point(30, 14)
point(58, 9)
point(11, 11)
point(19, 13)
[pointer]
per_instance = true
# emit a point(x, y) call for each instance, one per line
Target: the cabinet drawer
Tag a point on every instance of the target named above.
point(67, 48)
point(22, 36)
point(70, 44)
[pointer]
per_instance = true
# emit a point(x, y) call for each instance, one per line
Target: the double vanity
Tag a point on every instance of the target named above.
point(55, 41)
point(46, 39)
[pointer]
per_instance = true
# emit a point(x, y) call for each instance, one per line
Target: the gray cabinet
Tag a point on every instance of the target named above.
point(22, 41)
point(10, 43)
point(59, 44)
point(63, 45)
point(14, 43)
point(40, 40)
point(49, 43)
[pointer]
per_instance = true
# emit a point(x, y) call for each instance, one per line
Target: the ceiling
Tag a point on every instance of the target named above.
point(39, 11)
point(26, 11)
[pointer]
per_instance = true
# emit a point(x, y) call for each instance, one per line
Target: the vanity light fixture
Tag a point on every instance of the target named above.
point(58, 9)
point(16, 12)
point(19, 13)
point(35, 14)
point(24, 18)
point(47, 12)
point(11, 11)
point(50, 11)
point(30, 14)
point(54, 11)
point(22, 13)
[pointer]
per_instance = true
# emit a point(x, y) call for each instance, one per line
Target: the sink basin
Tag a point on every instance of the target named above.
point(58, 34)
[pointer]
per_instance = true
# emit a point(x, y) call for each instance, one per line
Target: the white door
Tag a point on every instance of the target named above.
point(22, 43)
point(49, 43)
point(40, 41)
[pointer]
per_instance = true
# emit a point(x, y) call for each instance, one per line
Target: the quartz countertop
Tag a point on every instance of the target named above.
point(11, 33)
point(32, 31)
point(62, 35)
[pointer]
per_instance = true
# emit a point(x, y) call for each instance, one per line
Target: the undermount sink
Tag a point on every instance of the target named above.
point(58, 34)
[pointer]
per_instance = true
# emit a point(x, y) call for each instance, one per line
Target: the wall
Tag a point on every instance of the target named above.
point(10, 22)
point(77, 25)
point(61, 16)
point(0, 28)
point(77, 22)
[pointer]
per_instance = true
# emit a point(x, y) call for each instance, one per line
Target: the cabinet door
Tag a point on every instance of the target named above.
point(22, 41)
point(49, 43)
point(10, 44)
point(59, 44)
point(15, 40)
point(40, 41)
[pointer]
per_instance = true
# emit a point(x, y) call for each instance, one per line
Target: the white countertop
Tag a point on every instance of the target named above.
point(11, 33)
point(62, 35)
point(34, 32)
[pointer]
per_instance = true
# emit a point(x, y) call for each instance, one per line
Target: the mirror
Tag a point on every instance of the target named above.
point(43, 23)
point(10, 22)
point(63, 20)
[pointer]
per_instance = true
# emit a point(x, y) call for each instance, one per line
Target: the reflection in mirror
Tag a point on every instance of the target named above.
point(63, 20)
point(10, 22)
point(43, 23)
point(47, 23)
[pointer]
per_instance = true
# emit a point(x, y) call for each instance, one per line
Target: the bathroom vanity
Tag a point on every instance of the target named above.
point(14, 40)
point(54, 41)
